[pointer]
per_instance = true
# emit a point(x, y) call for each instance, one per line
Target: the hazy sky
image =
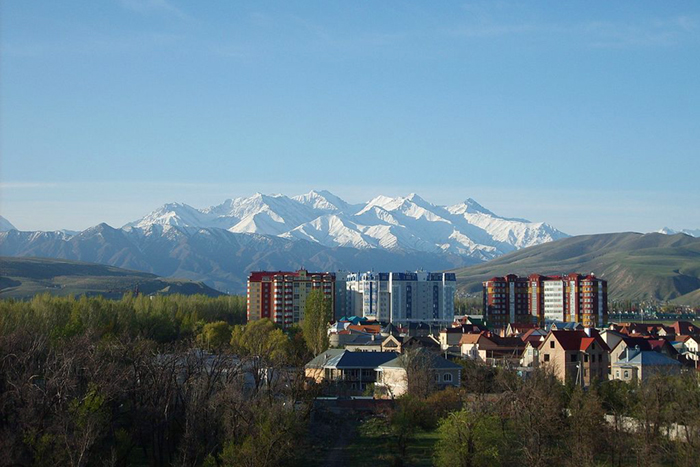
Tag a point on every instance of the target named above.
point(582, 114)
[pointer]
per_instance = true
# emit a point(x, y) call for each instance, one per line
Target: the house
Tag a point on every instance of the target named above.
point(689, 347)
point(611, 337)
point(576, 356)
point(364, 343)
point(348, 372)
point(491, 348)
point(534, 335)
point(637, 365)
point(450, 337)
point(402, 343)
point(684, 328)
point(518, 329)
point(565, 326)
point(643, 343)
point(392, 378)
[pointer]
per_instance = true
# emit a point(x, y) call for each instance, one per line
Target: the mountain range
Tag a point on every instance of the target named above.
point(220, 244)
point(637, 266)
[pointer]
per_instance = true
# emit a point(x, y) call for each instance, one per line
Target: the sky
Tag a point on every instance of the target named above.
point(582, 114)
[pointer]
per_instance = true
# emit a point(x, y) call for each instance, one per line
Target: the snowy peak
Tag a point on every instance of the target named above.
point(322, 201)
point(669, 231)
point(5, 225)
point(408, 223)
point(175, 214)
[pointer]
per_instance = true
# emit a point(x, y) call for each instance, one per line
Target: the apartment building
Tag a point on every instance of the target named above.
point(402, 297)
point(506, 300)
point(281, 296)
point(546, 299)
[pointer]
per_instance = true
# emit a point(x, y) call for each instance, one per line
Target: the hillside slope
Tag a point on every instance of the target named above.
point(636, 266)
point(25, 277)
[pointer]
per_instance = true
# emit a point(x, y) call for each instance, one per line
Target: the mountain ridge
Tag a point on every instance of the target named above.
point(408, 222)
point(637, 266)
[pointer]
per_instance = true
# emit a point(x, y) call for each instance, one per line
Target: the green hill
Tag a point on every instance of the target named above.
point(636, 266)
point(25, 277)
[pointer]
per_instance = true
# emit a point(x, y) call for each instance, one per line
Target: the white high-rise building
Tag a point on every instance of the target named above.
point(402, 297)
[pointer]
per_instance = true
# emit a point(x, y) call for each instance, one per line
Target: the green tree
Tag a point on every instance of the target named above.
point(216, 334)
point(468, 438)
point(264, 344)
point(317, 314)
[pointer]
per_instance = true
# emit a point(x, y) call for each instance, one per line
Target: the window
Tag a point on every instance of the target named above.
point(627, 374)
point(574, 357)
point(551, 344)
point(546, 357)
point(447, 377)
point(585, 358)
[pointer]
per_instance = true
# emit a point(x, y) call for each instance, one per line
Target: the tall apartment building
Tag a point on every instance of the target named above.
point(402, 297)
point(569, 298)
point(281, 296)
point(506, 300)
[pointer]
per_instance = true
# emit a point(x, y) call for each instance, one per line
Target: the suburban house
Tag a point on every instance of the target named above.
point(642, 343)
point(348, 372)
point(402, 343)
point(491, 348)
point(450, 337)
point(565, 326)
point(637, 365)
point(365, 343)
point(351, 373)
point(579, 357)
point(392, 379)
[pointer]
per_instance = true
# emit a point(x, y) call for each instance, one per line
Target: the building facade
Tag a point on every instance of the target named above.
point(546, 299)
point(402, 297)
point(506, 300)
point(281, 296)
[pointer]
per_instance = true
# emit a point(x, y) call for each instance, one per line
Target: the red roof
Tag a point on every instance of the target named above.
point(578, 340)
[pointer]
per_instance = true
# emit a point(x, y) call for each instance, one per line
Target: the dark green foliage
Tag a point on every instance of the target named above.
point(318, 312)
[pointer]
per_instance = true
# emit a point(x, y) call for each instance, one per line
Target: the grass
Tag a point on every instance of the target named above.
point(376, 445)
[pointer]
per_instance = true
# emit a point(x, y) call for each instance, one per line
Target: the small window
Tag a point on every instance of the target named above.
point(551, 344)
point(627, 374)
point(574, 357)
point(546, 357)
point(447, 377)
point(585, 358)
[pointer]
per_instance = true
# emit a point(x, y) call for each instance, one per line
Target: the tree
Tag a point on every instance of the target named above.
point(420, 376)
point(468, 438)
point(216, 334)
point(587, 426)
point(318, 313)
point(263, 344)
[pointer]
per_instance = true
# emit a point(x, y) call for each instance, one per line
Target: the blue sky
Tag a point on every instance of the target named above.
point(582, 114)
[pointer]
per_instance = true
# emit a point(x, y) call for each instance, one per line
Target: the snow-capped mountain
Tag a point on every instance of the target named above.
point(221, 244)
point(691, 232)
point(400, 223)
point(6, 225)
